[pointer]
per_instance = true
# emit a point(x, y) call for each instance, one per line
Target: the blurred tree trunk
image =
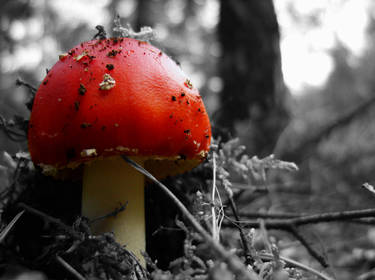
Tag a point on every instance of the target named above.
point(253, 99)
point(144, 14)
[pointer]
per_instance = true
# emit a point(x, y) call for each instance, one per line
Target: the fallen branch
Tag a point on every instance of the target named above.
point(291, 224)
point(309, 219)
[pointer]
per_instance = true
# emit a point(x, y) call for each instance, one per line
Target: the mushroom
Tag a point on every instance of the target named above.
point(111, 97)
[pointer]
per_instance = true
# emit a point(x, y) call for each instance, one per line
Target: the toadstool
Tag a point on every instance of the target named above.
point(112, 97)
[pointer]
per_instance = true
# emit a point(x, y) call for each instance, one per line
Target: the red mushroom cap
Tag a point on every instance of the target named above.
point(118, 96)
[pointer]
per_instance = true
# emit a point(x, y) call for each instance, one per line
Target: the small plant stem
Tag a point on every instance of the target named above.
point(9, 226)
point(248, 257)
point(215, 234)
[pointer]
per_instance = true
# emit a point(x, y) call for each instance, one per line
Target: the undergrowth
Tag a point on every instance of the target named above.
point(41, 229)
point(67, 249)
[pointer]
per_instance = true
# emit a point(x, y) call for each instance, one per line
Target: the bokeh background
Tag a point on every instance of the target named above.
point(290, 77)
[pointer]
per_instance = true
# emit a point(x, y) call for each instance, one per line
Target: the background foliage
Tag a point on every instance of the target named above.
point(327, 131)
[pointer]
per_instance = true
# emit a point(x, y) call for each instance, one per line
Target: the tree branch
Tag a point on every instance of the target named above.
point(286, 223)
point(311, 141)
point(291, 224)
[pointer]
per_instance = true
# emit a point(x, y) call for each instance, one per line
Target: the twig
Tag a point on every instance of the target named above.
point(111, 214)
point(9, 226)
point(12, 134)
point(163, 228)
point(249, 259)
point(32, 90)
point(269, 215)
point(69, 268)
point(20, 82)
point(310, 142)
point(101, 32)
point(333, 216)
point(291, 225)
point(294, 263)
point(234, 263)
point(312, 219)
point(50, 219)
point(293, 230)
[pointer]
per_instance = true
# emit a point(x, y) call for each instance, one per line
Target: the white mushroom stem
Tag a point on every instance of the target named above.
point(106, 184)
